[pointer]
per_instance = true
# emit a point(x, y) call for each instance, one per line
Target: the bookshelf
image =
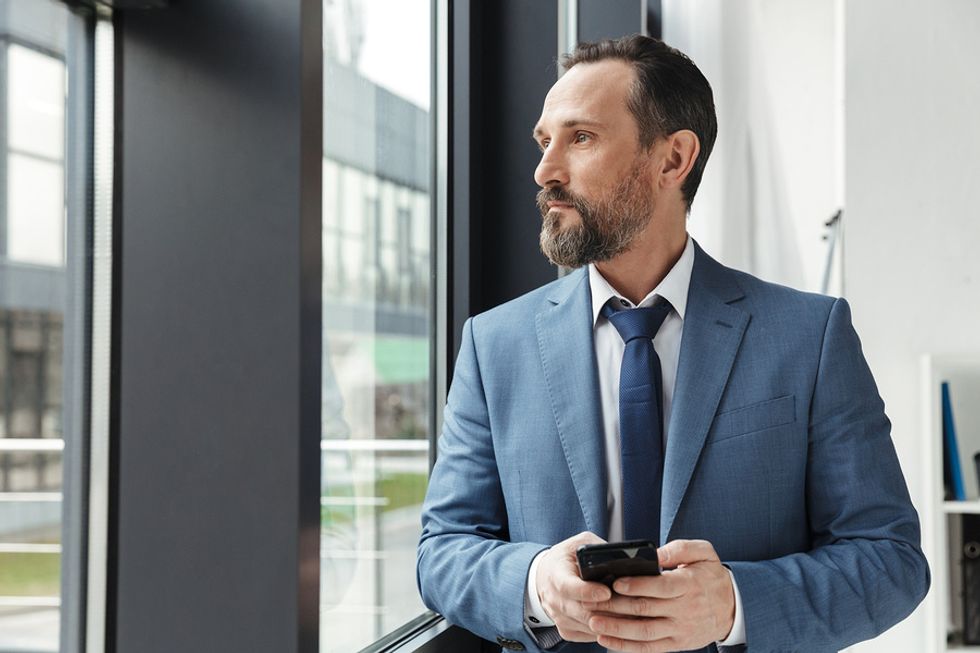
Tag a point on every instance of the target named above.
point(941, 519)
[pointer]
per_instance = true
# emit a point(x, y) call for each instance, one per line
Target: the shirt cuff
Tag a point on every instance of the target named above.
point(737, 634)
point(534, 614)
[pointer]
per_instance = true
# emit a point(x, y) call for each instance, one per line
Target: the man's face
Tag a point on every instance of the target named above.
point(597, 190)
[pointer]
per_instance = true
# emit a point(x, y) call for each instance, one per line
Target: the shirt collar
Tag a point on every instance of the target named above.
point(673, 288)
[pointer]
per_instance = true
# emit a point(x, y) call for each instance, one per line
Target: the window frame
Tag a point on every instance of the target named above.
point(71, 280)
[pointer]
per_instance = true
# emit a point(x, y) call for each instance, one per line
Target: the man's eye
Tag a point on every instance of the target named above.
point(581, 137)
point(544, 144)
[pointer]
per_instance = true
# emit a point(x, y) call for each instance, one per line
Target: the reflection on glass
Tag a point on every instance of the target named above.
point(35, 209)
point(35, 156)
point(33, 95)
point(376, 292)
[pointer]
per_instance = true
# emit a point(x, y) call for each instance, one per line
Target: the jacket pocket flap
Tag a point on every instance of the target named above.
point(754, 417)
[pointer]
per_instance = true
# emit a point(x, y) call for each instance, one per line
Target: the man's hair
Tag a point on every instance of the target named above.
point(669, 94)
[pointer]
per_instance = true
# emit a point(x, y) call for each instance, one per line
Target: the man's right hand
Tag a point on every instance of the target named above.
point(564, 596)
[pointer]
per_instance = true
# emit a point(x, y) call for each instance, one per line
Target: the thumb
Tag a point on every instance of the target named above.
point(685, 552)
point(585, 537)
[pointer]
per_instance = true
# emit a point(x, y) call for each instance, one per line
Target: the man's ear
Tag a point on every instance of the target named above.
point(680, 152)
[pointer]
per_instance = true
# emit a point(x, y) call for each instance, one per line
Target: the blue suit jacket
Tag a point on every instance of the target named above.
point(779, 453)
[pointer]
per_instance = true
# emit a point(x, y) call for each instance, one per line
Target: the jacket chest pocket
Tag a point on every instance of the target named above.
point(754, 417)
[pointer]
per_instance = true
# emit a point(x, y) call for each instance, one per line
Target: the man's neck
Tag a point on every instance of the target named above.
point(636, 272)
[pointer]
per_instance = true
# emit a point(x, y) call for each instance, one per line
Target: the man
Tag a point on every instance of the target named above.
point(655, 393)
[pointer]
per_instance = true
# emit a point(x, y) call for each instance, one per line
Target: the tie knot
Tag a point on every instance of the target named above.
point(633, 323)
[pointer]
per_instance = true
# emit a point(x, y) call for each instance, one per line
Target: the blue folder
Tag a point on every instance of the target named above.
point(953, 470)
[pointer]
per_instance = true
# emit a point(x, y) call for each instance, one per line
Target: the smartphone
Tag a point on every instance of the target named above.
point(604, 563)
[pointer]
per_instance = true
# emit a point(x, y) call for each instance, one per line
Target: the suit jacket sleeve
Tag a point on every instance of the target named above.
point(467, 569)
point(865, 571)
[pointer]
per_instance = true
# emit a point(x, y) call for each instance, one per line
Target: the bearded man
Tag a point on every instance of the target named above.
point(654, 393)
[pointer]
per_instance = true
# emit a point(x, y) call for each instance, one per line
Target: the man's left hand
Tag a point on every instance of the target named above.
point(690, 605)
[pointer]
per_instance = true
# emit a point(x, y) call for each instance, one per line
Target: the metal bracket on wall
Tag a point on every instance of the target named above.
point(567, 29)
point(567, 41)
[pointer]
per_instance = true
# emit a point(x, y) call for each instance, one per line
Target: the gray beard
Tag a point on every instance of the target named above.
point(608, 228)
point(578, 245)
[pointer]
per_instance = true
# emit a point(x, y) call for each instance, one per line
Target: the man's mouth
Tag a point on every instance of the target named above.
point(559, 205)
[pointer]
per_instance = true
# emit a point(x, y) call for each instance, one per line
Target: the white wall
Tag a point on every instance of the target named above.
point(773, 178)
point(905, 73)
point(912, 162)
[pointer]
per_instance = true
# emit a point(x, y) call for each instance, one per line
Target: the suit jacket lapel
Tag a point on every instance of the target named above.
point(713, 331)
point(565, 341)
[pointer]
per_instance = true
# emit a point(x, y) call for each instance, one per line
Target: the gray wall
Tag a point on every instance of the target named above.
point(215, 437)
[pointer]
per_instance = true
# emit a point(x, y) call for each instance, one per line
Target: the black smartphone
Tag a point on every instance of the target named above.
point(604, 563)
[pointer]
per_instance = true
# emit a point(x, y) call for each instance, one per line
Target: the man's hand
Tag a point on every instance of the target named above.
point(690, 605)
point(563, 593)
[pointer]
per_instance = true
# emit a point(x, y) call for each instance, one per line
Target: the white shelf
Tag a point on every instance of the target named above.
point(940, 518)
point(962, 508)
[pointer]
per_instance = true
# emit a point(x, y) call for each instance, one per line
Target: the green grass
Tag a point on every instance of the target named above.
point(402, 489)
point(336, 515)
point(30, 574)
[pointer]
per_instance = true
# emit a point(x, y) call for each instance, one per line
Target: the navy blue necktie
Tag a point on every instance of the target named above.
point(640, 417)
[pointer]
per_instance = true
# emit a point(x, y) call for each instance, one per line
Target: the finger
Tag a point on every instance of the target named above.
point(575, 615)
point(628, 646)
point(685, 552)
point(577, 635)
point(578, 613)
point(641, 606)
point(572, 587)
point(571, 546)
point(570, 615)
point(567, 623)
point(583, 538)
point(636, 630)
point(668, 585)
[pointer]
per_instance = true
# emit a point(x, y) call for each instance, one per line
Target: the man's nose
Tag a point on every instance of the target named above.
point(551, 170)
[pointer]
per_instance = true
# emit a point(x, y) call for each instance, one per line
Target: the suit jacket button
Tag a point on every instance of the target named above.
point(510, 644)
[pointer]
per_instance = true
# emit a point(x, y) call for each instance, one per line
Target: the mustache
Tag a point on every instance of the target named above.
point(558, 194)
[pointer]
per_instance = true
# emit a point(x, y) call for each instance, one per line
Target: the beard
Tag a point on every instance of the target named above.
point(609, 225)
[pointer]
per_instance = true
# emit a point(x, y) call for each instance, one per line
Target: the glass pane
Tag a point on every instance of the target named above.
point(40, 313)
point(376, 259)
point(35, 210)
point(31, 472)
point(36, 103)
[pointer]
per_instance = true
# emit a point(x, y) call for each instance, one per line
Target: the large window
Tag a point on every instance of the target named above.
point(42, 308)
point(377, 254)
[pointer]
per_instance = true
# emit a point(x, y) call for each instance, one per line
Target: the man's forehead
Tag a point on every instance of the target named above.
point(588, 93)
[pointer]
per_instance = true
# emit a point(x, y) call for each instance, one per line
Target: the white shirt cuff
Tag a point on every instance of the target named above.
point(534, 614)
point(737, 634)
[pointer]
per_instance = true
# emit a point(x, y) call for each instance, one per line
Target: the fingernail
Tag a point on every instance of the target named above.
point(622, 586)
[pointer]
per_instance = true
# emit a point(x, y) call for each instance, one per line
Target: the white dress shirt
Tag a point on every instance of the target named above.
point(609, 350)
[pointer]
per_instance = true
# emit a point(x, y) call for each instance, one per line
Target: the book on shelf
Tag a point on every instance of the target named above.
point(952, 468)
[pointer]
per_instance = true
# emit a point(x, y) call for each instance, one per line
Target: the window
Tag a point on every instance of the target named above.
point(377, 389)
point(43, 227)
point(35, 156)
